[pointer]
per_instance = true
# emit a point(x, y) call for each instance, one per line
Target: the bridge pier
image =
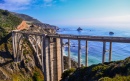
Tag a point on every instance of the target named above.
point(58, 54)
point(110, 52)
point(52, 59)
point(104, 51)
point(16, 45)
point(13, 42)
point(79, 53)
point(69, 59)
point(86, 58)
point(62, 59)
point(42, 52)
point(46, 59)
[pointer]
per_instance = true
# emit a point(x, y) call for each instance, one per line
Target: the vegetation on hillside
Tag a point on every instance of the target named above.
point(31, 20)
point(109, 71)
point(8, 22)
point(27, 18)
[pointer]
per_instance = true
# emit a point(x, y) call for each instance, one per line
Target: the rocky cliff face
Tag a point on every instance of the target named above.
point(22, 26)
point(25, 70)
point(74, 64)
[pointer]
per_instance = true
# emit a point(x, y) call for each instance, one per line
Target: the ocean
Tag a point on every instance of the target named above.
point(120, 51)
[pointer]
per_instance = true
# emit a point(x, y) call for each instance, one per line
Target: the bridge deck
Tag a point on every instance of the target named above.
point(82, 37)
point(92, 38)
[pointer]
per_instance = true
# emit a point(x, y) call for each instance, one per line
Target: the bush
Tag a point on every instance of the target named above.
point(36, 77)
point(116, 78)
point(67, 73)
point(105, 79)
point(5, 12)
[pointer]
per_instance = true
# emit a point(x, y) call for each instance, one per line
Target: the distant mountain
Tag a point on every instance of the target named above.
point(34, 21)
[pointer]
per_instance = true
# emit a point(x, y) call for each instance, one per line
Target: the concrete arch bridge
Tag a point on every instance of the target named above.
point(49, 49)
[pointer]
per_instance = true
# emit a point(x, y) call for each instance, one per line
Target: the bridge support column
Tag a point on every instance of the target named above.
point(79, 53)
point(51, 59)
point(86, 59)
point(58, 54)
point(104, 51)
point(46, 59)
point(42, 52)
point(15, 46)
point(110, 52)
point(62, 57)
point(13, 42)
point(69, 59)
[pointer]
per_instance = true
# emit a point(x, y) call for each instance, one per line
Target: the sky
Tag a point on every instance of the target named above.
point(105, 13)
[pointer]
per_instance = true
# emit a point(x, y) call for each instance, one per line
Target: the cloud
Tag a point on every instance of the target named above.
point(15, 4)
point(25, 2)
point(49, 2)
point(52, 2)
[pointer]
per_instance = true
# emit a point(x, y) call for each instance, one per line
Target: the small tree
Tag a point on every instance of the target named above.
point(5, 12)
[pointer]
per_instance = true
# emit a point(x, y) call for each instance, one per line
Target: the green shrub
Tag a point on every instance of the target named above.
point(5, 12)
point(67, 73)
point(100, 67)
point(105, 79)
point(8, 22)
point(116, 78)
point(36, 77)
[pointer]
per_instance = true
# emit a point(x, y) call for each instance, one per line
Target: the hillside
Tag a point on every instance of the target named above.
point(34, 21)
point(109, 71)
point(27, 18)
point(8, 22)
